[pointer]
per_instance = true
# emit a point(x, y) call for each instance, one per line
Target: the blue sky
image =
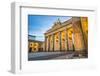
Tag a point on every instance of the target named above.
point(39, 24)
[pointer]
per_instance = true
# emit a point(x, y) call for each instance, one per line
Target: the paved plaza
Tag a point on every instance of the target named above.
point(50, 55)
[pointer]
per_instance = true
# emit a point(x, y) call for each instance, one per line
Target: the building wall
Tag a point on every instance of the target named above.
point(35, 46)
point(78, 36)
point(84, 23)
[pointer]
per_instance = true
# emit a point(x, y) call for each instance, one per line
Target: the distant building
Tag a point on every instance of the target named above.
point(31, 37)
point(34, 45)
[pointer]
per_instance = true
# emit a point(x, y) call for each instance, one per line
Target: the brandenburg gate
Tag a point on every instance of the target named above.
point(70, 35)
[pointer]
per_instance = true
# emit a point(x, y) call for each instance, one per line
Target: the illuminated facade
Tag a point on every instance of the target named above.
point(71, 35)
point(34, 45)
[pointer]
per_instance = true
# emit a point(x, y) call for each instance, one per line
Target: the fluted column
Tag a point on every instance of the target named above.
point(48, 43)
point(59, 40)
point(45, 43)
point(66, 40)
point(52, 42)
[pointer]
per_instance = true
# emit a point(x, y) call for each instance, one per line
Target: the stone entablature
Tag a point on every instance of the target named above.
point(58, 25)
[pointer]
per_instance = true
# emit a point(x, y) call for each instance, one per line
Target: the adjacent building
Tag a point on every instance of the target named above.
point(34, 45)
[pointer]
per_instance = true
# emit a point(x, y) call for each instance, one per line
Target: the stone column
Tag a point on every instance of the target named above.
point(59, 33)
point(52, 42)
point(48, 43)
point(66, 40)
point(45, 43)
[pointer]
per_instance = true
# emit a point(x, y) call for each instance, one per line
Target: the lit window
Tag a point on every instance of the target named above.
point(35, 44)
